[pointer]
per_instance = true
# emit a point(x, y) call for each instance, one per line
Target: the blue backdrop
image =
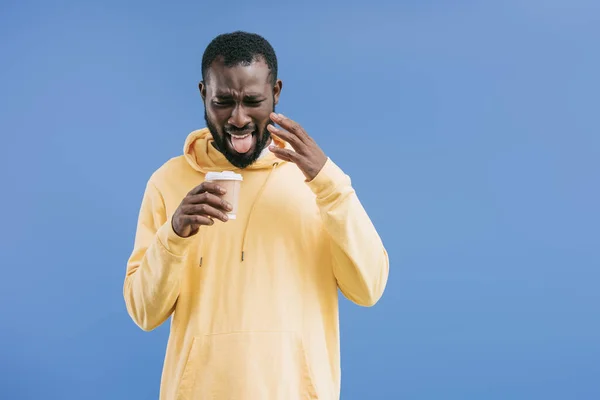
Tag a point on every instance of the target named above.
point(485, 118)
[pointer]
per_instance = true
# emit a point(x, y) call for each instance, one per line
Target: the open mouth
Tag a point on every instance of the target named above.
point(242, 143)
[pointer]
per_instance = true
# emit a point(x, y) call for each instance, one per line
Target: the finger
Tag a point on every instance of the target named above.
point(191, 220)
point(290, 125)
point(286, 136)
point(209, 198)
point(204, 210)
point(210, 187)
point(285, 154)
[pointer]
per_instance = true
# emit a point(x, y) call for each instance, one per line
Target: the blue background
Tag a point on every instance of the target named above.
point(484, 117)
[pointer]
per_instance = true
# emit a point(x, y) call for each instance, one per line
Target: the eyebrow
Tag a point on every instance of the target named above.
point(227, 95)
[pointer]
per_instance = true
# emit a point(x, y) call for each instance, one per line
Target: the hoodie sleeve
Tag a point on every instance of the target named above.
point(359, 259)
point(156, 264)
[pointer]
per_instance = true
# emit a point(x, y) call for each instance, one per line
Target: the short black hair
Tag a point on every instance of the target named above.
point(240, 48)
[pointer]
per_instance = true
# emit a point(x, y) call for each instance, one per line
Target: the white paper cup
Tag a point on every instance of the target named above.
point(232, 183)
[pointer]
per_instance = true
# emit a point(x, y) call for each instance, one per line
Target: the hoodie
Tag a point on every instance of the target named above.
point(253, 301)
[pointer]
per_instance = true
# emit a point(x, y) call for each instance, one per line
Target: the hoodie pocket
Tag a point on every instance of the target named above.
point(247, 365)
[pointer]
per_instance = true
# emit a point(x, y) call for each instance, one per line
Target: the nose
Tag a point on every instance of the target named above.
point(239, 118)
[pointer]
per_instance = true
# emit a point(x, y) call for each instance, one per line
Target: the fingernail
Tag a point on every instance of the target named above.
point(280, 115)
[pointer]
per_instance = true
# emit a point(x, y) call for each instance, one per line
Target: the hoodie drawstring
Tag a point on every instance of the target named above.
point(252, 207)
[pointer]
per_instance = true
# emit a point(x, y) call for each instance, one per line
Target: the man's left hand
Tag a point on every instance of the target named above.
point(308, 156)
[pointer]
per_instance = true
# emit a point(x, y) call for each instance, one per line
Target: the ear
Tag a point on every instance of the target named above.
point(277, 90)
point(202, 88)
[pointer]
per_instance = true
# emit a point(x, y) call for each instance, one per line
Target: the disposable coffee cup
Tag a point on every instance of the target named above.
point(231, 182)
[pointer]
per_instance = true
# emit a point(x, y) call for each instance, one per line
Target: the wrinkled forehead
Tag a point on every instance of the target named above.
point(246, 77)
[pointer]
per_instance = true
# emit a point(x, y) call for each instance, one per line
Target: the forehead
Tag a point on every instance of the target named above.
point(253, 77)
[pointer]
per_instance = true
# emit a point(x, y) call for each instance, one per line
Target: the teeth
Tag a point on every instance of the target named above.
point(241, 137)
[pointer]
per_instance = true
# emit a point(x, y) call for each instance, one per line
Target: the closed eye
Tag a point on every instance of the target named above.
point(253, 102)
point(222, 103)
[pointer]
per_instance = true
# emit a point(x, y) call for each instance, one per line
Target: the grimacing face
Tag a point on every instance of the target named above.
point(237, 103)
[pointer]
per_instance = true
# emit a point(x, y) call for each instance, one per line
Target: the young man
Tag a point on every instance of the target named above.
point(254, 299)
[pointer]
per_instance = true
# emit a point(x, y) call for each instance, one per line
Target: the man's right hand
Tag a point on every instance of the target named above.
point(199, 207)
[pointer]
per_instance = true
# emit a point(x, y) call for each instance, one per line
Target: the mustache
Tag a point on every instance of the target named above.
point(235, 130)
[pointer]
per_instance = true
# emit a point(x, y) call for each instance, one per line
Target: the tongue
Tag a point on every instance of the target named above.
point(241, 145)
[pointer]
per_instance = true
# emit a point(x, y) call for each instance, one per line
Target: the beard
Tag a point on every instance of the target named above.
point(239, 160)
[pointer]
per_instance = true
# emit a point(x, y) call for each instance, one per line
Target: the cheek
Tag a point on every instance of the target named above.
point(262, 124)
point(217, 117)
point(263, 116)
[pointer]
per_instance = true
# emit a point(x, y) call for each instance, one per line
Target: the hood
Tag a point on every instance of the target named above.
point(200, 153)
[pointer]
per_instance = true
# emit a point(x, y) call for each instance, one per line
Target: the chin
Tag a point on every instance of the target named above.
point(240, 160)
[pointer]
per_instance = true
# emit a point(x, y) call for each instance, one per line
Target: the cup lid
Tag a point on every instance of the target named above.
point(223, 176)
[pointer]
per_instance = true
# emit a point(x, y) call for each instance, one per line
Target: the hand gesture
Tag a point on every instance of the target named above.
point(199, 207)
point(307, 155)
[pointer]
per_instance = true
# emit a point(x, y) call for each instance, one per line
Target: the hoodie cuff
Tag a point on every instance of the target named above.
point(328, 180)
point(172, 242)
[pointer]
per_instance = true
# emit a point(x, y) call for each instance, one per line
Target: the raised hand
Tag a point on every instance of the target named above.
point(307, 155)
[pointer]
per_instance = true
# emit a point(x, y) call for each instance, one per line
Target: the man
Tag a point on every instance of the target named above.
point(254, 300)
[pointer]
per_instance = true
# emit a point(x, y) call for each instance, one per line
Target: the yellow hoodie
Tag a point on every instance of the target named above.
point(254, 300)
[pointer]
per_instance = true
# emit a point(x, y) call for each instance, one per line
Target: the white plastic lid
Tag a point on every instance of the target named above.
point(223, 176)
